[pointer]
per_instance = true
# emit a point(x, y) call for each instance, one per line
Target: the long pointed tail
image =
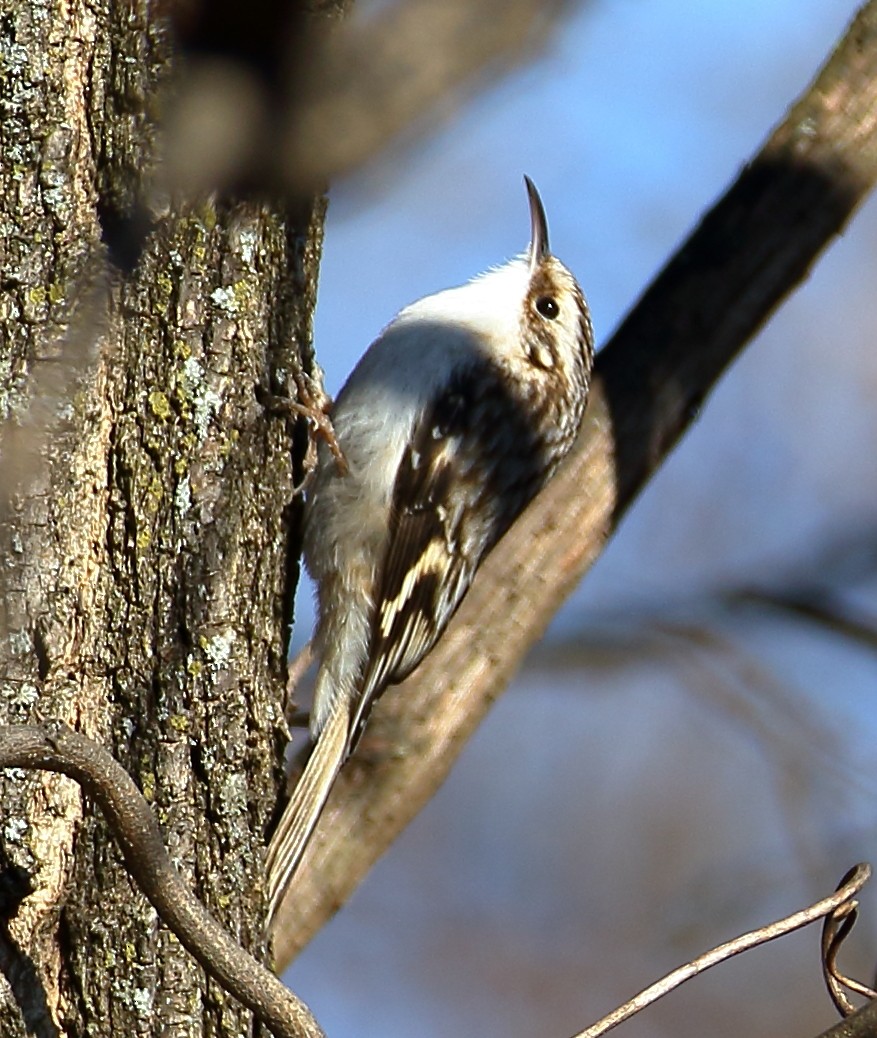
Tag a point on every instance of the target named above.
point(304, 807)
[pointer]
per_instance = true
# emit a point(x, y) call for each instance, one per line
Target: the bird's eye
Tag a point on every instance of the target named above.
point(547, 307)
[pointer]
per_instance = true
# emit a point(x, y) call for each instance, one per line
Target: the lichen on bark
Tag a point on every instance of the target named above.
point(147, 518)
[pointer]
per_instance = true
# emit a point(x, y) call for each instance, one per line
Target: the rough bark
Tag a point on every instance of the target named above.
point(146, 558)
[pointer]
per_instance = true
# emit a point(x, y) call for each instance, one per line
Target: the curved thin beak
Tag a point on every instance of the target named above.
point(539, 248)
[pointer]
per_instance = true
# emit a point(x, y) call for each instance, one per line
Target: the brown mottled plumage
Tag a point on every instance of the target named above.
point(451, 422)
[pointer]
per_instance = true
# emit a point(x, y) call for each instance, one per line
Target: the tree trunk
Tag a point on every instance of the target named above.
point(146, 510)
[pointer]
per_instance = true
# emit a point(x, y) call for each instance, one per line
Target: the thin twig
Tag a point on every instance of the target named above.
point(57, 748)
point(343, 97)
point(818, 605)
point(837, 926)
point(834, 933)
point(855, 880)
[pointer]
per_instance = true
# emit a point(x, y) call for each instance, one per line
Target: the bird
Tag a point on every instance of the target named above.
point(450, 423)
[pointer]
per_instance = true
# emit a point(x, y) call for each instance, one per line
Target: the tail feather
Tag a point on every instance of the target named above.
point(300, 817)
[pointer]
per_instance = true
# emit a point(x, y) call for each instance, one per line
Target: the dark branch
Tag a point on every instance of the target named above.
point(862, 1024)
point(294, 106)
point(57, 748)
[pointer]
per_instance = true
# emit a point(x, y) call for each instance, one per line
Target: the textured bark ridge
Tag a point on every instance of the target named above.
point(145, 508)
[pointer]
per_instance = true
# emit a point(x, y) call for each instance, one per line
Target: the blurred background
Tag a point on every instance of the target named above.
point(685, 756)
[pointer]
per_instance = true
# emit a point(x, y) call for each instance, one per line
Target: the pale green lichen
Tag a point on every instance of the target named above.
point(205, 402)
point(225, 298)
point(234, 793)
point(160, 405)
point(218, 649)
point(20, 643)
point(21, 695)
point(165, 285)
point(249, 241)
point(179, 722)
point(153, 496)
point(183, 496)
point(142, 999)
point(15, 829)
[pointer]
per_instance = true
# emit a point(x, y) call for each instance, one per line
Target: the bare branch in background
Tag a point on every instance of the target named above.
point(817, 606)
point(749, 252)
point(404, 70)
point(325, 107)
point(814, 588)
point(838, 903)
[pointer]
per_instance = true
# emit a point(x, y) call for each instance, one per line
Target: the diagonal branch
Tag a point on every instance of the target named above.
point(57, 748)
point(747, 255)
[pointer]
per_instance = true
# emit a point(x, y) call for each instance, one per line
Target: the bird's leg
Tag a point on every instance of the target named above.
point(314, 404)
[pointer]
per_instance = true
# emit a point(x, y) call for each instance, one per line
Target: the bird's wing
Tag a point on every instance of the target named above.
point(427, 568)
point(469, 468)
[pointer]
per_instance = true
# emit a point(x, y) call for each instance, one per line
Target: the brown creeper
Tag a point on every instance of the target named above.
point(455, 417)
